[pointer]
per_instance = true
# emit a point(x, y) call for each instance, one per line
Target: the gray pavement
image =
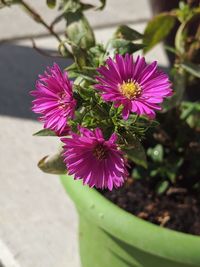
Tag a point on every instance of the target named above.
point(116, 11)
point(38, 222)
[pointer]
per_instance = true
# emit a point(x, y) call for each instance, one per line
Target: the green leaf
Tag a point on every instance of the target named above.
point(86, 6)
point(161, 187)
point(53, 164)
point(171, 49)
point(179, 86)
point(173, 167)
point(4, 3)
point(184, 12)
point(180, 38)
point(139, 172)
point(51, 3)
point(63, 49)
point(103, 3)
point(196, 10)
point(85, 93)
point(97, 55)
point(74, 6)
point(157, 29)
point(45, 132)
point(191, 68)
point(71, 67)
point(125, 32)
point(156, 153)
point(122, 46)
point(80, 57)
point(186, 111)
point(188, 108)
point(136, 153)
point(70, 6)
point(190, 112)
point(79, 31)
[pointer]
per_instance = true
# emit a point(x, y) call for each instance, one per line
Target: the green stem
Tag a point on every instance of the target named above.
point(136, 118)
point(87, 110)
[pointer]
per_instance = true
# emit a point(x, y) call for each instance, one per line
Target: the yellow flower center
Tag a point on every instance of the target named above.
point(130, 89)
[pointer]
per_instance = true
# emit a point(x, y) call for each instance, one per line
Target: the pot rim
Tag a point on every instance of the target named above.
point(148, 237)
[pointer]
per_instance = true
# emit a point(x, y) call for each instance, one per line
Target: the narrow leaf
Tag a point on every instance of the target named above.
point(80, 56)
point(71, 6)
point(125, 32)
point(157, 29)
point(45, 132)
point(122, 46)
point(137, 154)
point(86, 6)
point(4, 3)
point(79, 31)
point(180, 38)
point(179, 86)
point(192, 68)
point(103, 3)
point(161, 187)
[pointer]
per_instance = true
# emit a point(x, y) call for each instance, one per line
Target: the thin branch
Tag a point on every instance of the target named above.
point(42, 52)
point(40, 20)
point(56, 20)
point(193, 50)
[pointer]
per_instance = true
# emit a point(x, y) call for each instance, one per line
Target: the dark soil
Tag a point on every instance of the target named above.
point(177, 209)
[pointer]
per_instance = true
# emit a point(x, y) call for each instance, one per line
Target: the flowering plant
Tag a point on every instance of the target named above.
point(108, 106)
point(120, 97)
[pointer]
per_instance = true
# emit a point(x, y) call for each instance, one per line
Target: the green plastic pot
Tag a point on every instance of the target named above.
point(112, 237)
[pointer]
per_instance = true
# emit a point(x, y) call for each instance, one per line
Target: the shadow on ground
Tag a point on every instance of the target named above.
point(19, 69)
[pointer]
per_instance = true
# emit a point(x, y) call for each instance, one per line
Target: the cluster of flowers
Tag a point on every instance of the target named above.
point(137, 86)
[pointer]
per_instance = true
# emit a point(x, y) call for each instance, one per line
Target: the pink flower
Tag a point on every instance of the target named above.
point(98, 162)
point(54, 99)
point(138, 86)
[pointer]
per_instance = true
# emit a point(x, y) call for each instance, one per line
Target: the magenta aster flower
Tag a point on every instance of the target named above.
point(98, 162)
point(138, 86)
point(54, 99)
